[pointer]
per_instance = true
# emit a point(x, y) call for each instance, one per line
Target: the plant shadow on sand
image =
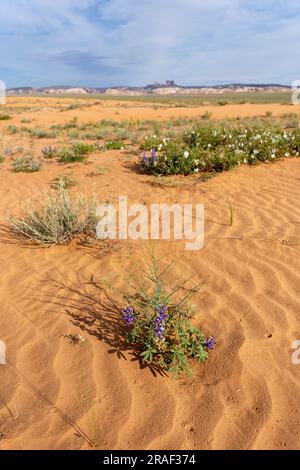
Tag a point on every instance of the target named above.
point(92, 309)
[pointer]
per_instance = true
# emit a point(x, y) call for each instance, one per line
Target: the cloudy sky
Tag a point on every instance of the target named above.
point(135, 42)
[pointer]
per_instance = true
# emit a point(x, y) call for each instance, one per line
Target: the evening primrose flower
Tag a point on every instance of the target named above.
point(186, 154)
point(196, 170)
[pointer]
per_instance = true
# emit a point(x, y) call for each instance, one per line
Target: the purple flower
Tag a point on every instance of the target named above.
point(145, 159)
point(210, 342)
point(153, 155)
point(159, 321)
point(128, 315)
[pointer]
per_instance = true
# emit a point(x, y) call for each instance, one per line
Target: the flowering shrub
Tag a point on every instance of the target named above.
point(159, 327)
point(212, 148)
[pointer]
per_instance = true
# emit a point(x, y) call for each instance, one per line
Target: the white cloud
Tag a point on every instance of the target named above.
point(191, 41)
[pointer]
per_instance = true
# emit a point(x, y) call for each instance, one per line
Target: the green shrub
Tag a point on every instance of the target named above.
point(26, 165)
point(41, 134)
point(113, 145)
point(59, 219)
point(76, 153)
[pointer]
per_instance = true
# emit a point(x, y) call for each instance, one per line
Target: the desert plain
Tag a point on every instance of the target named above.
point(68, 383)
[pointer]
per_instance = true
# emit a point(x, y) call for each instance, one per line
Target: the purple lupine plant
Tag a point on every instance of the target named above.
point(210, 342)
point(159, 321)
point(128, 315)
point(145, 158)
point(153, 155)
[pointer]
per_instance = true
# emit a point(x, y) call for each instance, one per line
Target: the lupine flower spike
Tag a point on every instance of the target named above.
point(145, 159)
point(128, 315)
point(159, 321)
point(210, 342)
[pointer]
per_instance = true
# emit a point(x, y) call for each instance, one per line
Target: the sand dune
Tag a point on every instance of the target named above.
point(56, 395)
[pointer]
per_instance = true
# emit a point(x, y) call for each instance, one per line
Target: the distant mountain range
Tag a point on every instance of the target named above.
point(167, 88)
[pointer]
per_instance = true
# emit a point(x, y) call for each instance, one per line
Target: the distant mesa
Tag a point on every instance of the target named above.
point(168, 88)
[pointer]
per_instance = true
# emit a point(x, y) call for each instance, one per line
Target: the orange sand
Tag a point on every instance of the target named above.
point(55, 395)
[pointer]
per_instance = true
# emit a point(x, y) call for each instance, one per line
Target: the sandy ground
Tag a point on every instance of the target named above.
point(55, 395)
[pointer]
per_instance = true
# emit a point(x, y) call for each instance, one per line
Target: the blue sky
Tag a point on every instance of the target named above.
point(135, 42)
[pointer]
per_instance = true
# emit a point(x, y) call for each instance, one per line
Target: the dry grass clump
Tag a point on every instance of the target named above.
point(59, 219)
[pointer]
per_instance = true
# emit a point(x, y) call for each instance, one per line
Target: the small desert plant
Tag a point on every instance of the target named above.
point(65, 181)
point(158, 321)
point(206, 116)
point(99, 171)
point(113, 145)
point(12, 129)
point(4, 117)
point(49, 152)
point(76, 153)
point(230, 210)
point(41, 134)
point(26, 165)
point(59, 219)
point(2, 158)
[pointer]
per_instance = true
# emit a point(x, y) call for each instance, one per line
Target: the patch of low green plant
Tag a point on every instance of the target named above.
point(42, 134)
point(12, 129)
point(114, 145)
point(26, 165)
point(76, 153)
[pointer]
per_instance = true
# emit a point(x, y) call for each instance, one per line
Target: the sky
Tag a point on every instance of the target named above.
point(102, 43)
